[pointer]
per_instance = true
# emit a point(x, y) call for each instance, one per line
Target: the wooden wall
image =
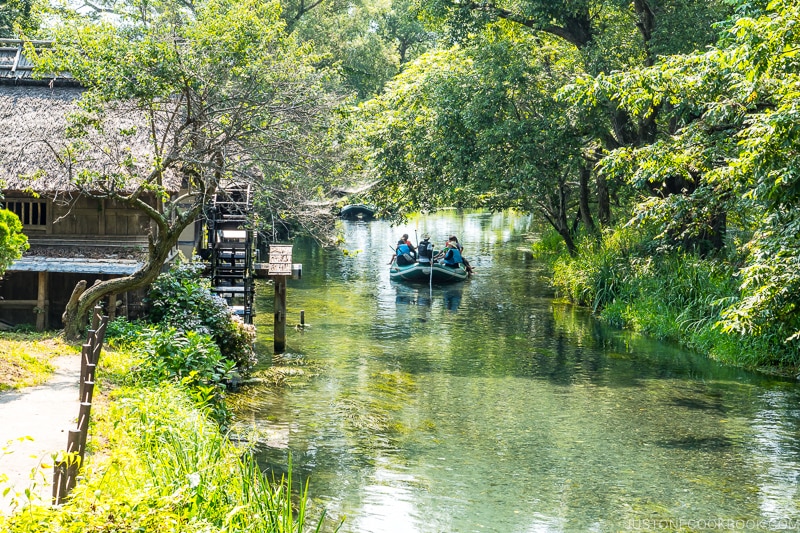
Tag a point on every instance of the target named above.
point(85, 217)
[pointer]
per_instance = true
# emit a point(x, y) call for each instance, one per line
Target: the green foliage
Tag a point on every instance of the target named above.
point(164, 354)
point(476, 127)
point(596, 276)
point(169, 469)
point(548, 247)
point(191, 359)
point(20, 17)
point(724, 157)
point(366, 41)
point(665, 294)
point(182, 299)
point(12, 241)
point(122, 333)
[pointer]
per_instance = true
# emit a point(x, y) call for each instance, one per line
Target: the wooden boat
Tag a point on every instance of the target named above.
point(422, 273)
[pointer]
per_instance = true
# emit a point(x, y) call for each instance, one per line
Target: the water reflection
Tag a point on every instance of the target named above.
point(448, 296)
point(487, 406)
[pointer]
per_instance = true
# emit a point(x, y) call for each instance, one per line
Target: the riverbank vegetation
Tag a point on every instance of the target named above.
point(716, 196)
point(160, 464)
point(677, 296)
point(160, 458)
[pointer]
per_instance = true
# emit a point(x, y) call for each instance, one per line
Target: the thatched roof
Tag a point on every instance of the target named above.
point(118, 267)
point(33, 123)
point(32, 139)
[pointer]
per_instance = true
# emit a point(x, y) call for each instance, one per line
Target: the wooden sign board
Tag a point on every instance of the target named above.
point(280, 259)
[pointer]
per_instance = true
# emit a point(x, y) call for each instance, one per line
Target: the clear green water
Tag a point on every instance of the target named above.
point(487, 406)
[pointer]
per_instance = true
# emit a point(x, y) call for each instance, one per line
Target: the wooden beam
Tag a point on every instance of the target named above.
point(18, 304)
point(17, 58)
point(112, 307)
point(41, 303)
point(101, 220)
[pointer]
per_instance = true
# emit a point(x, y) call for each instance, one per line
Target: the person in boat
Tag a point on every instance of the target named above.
point(467, 266)
point(451, 255)
point(405, 253)
point(425, 250)
point(405, 240)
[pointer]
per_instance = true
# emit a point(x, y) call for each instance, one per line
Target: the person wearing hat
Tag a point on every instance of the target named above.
point(451, 255)
point(425, 250)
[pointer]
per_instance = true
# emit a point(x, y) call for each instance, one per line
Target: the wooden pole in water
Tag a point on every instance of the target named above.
point(280, 314)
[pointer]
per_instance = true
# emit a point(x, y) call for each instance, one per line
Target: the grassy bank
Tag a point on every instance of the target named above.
point(159, 462)
point(666, 294)
point(25, 357)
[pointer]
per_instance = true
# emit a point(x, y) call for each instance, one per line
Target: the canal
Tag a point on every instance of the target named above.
point(488, 406)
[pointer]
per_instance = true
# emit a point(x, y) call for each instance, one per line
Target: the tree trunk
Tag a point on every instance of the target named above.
point(603, 200)
point(646, 24)
point(586, 215)
point(568, 240)
point(556, 215)
point(71, 311)
point(76, 317)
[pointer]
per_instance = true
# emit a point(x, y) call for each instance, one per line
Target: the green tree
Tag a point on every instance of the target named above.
point(217, 90)
point(402, 26)
point(729, 131)
point(479, 126)
point(367, 41)
point(19, 16)
point(12, 241)
point(609, 35)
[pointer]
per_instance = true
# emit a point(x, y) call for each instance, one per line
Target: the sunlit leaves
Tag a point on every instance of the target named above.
point(20, 16)
point(476, 126)
point(12, 241)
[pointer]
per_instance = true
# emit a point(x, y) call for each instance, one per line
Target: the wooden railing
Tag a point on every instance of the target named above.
point(66, 471)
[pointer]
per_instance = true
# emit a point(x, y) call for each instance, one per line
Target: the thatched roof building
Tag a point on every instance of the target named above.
point(72, 236)
point(34, 142)
point(33, 114)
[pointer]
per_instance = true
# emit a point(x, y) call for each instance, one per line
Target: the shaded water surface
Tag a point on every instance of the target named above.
point(488, 406)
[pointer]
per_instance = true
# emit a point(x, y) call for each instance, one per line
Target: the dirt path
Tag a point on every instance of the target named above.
point(44, 413)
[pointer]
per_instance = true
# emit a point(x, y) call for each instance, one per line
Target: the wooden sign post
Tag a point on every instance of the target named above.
point(280, 267)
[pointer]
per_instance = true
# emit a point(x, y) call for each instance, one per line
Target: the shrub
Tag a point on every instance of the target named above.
point(121, 332)
point(182, 298)
point(166, 354)
point(12, 241)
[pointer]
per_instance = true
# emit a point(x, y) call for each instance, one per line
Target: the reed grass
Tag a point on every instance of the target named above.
point(666, 294)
